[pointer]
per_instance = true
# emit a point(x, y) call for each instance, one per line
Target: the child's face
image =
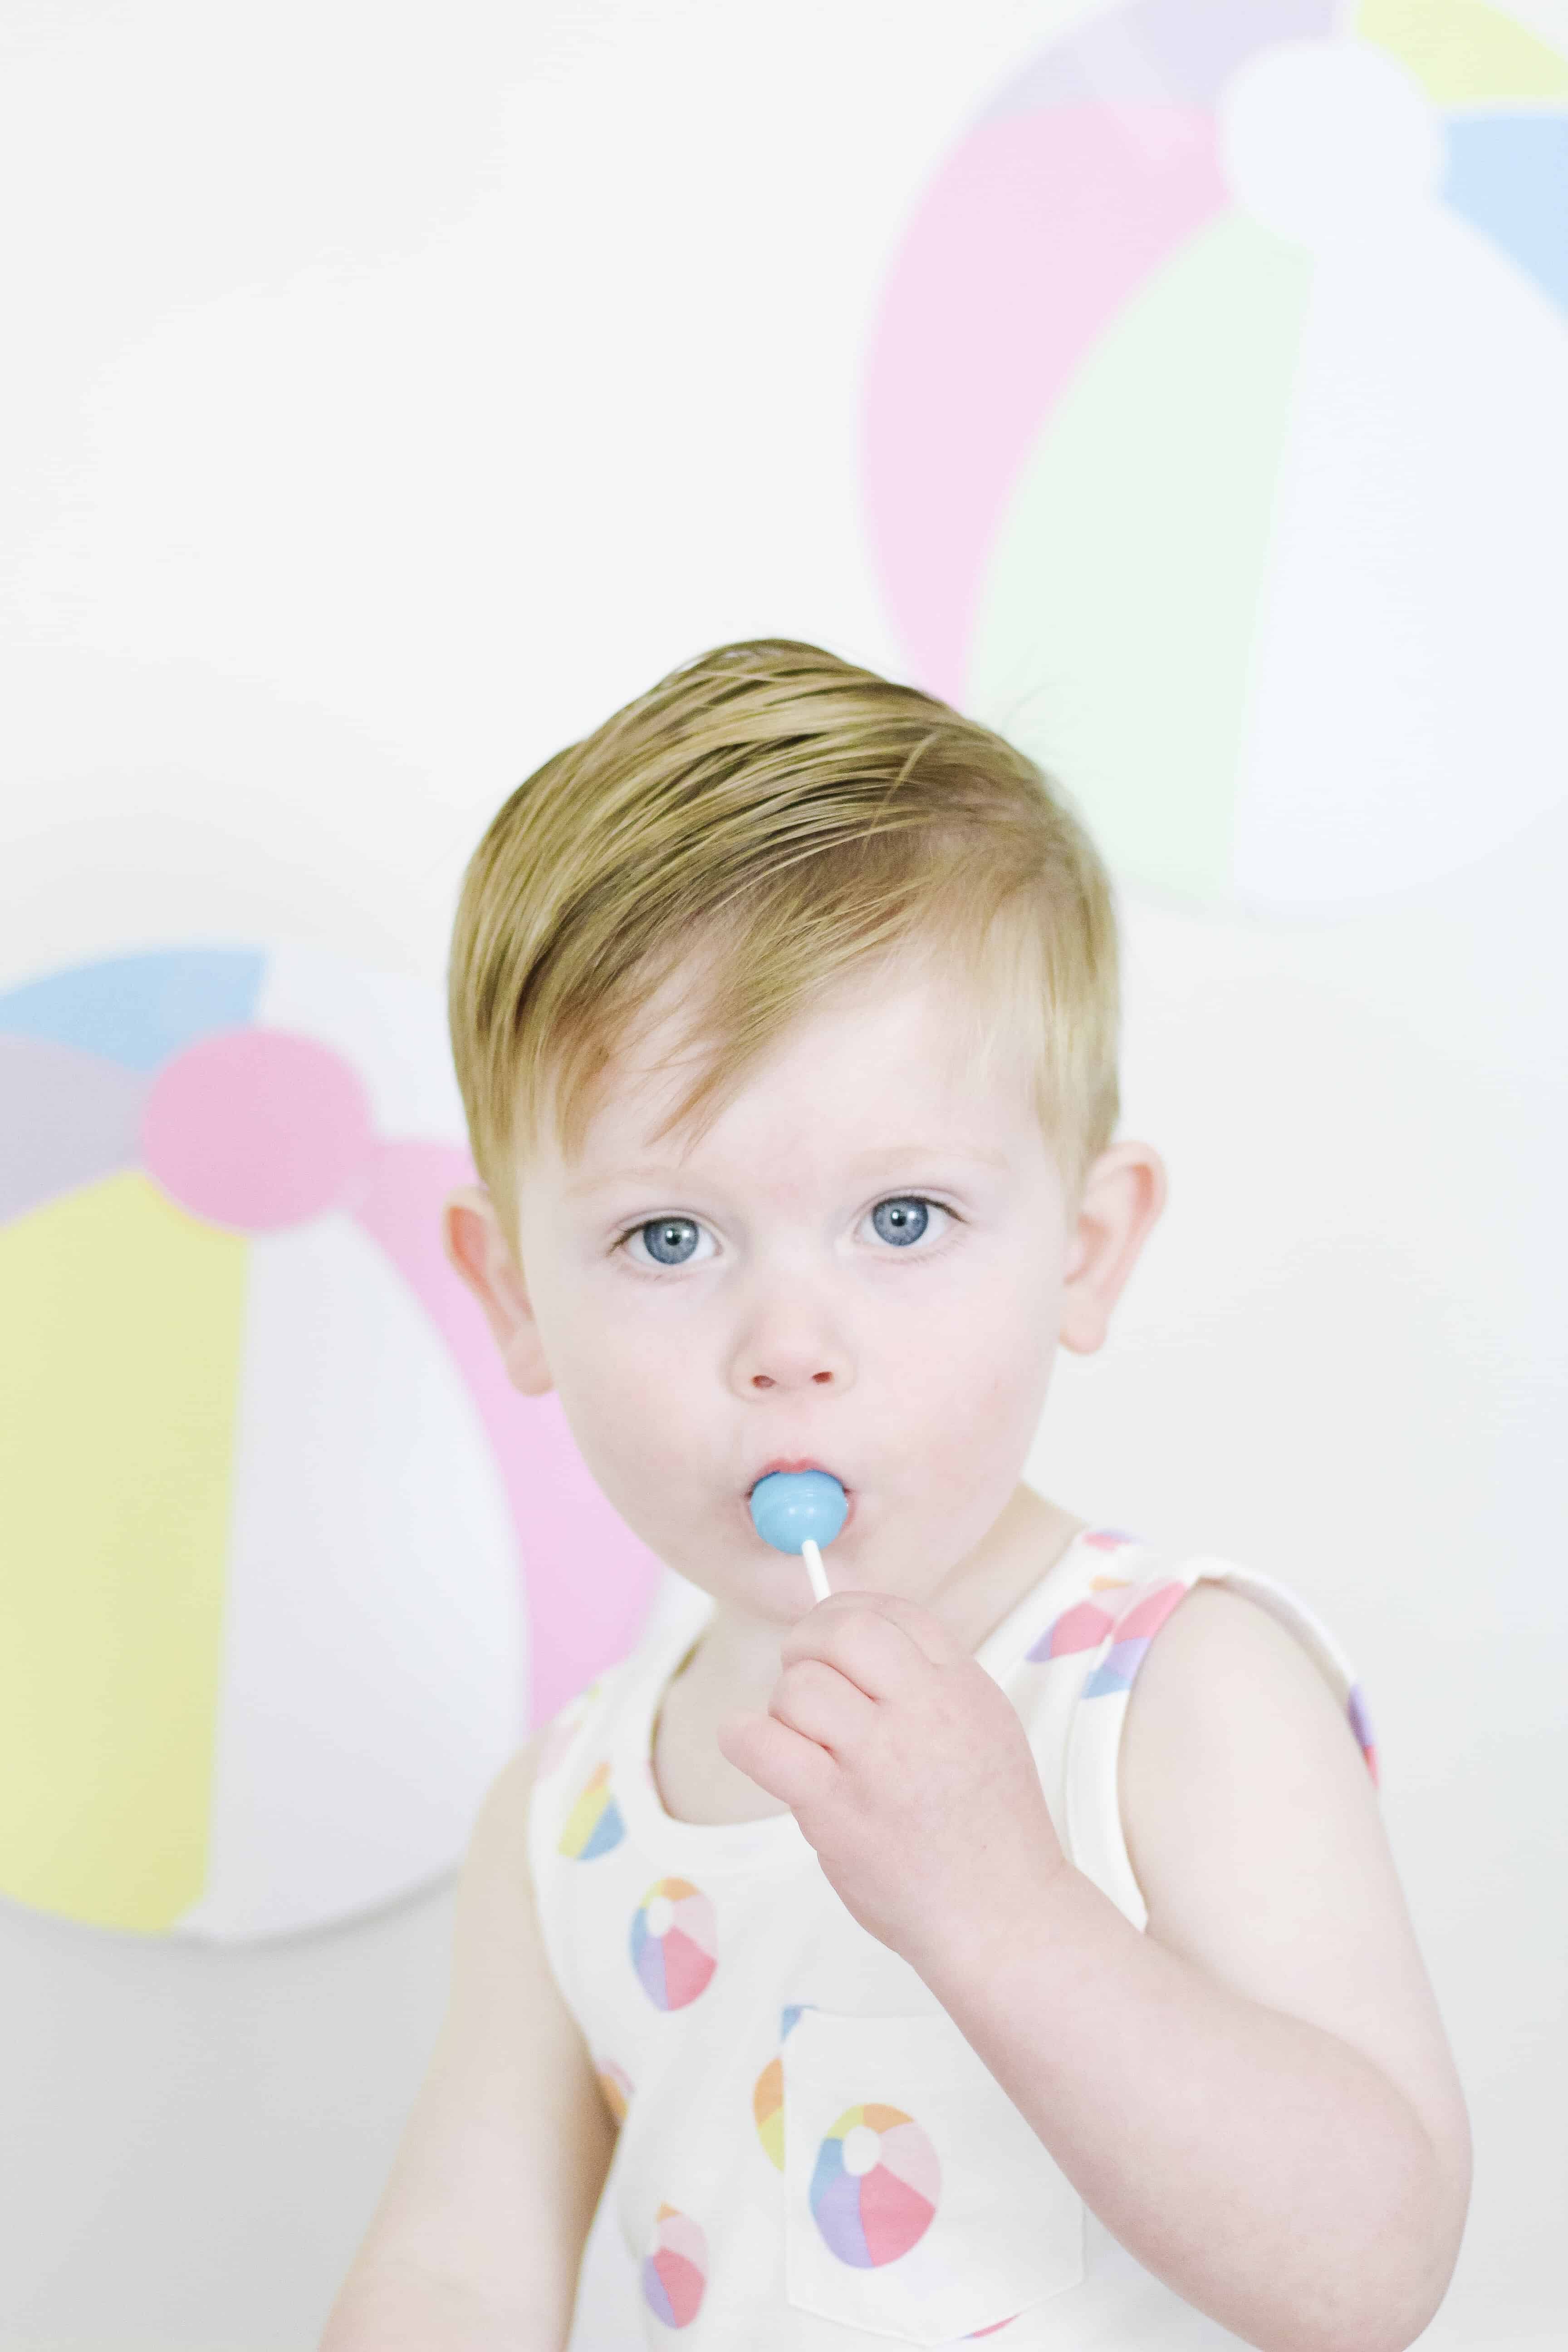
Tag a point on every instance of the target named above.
point(785, 1321)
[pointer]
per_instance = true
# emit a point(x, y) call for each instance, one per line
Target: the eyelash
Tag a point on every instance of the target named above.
point(913, 1252)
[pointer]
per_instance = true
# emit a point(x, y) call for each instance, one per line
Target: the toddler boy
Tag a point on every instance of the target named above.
point(905, 1978)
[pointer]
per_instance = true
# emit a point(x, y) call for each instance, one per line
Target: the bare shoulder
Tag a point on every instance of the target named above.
point(1253, 1828)
point(494, 2185)
point(495, 1891)
point(1230, 1721)
point(506, 2009)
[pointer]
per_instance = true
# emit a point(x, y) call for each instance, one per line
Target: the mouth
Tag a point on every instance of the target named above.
point(795, 1463)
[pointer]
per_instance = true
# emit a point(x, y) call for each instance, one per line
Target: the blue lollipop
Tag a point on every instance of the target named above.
point(797, 1510)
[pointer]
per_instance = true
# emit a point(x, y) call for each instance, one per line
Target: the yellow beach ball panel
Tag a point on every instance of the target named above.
point(118, 1395)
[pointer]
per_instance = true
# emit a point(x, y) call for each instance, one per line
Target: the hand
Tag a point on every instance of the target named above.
point(908, 1770)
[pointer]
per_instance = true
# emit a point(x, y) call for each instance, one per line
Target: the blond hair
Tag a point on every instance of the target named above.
point(792, 817)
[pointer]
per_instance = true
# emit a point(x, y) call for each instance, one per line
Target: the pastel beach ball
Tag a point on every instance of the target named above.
point(1213, 442)
point(674, 1942)
point(875, 2187)
point(287, 1568)
point(674, 2267)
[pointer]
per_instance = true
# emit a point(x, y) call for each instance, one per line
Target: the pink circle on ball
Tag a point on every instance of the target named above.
point(257, 1129)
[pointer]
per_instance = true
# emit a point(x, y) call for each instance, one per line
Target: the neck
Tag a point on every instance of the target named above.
point(1027, 1537)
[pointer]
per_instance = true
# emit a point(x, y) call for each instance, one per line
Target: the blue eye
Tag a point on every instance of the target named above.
point(902, 1219)
point(669, 1240)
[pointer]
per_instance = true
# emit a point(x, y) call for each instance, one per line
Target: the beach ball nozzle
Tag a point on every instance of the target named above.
point(800, 1510)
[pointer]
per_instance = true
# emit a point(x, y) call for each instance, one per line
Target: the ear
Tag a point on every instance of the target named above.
point(1122, 1196)
point(477, 1248)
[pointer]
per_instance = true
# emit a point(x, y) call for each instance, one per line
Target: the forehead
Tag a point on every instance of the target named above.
point(888, 1060)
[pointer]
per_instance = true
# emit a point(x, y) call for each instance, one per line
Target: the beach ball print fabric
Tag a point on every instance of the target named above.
point(675, 2268)
point(593, 1826)
point(918, 2202)
point(875, 2187)
point(860, 2145)
point(674, 1942)
point(767, 2093)
point(1129, 1619)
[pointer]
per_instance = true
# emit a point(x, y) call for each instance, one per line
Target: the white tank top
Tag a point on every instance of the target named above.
point(810, 2157)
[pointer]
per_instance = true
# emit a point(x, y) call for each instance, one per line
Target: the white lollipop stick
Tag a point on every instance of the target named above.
point(814, 1568)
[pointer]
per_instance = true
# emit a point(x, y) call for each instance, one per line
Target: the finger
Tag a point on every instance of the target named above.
point(925, 1628)
point(814, 1699)
point(863, 1646)
point(886, 1652)
point(790, 1766)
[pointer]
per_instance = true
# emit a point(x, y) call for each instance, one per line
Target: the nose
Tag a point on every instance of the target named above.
point(790, 1344)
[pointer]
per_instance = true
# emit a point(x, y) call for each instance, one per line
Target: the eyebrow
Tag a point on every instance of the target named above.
point(658, 1172)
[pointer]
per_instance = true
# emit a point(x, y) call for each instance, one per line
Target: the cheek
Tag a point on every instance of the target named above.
point(629, 1428)
point(985, 1358)
point(1003, 1312)
point(608, 1359)
point(613, 1374)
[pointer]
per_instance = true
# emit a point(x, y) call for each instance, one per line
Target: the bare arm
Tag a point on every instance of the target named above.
point(1255, 2095)
point(476, 2243)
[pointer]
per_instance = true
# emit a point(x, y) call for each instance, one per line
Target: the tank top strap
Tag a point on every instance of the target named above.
point(565, 1818)
point(1098, 1560)
point(570, 1732)
point(574, 1811)
point(1095, 1670)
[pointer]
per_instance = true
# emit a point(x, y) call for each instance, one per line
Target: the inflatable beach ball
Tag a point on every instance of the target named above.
point(287, 1566)
point(1213, 436)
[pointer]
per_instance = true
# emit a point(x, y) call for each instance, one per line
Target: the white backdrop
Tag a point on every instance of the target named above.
point(392, 391)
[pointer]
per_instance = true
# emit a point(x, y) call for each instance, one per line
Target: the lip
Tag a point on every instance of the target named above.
point(793, 1462)
point(805, 1462)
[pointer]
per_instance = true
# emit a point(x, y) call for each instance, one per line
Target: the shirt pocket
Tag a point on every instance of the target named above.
point(918, 2205)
